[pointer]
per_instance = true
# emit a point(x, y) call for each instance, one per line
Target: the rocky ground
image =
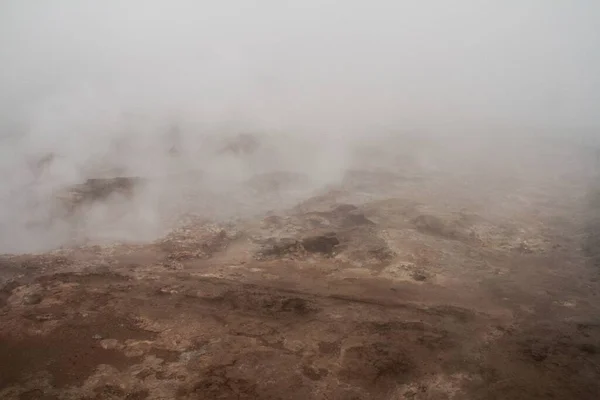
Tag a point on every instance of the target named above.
point(402, 280)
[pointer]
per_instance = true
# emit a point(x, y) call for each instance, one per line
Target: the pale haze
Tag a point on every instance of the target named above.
point(77, 77)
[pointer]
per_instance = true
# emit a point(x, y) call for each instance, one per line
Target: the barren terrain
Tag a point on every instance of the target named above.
point(437, 276)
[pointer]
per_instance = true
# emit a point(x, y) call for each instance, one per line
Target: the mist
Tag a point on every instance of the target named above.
point(112, 88)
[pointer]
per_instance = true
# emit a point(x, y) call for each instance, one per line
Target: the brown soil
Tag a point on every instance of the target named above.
point(408, 294)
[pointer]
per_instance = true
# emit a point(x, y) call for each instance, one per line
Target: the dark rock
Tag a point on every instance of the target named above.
point(537, 351)
point(320, 244)
point(98, 189)
point(296, 305)
point(589, 348)
point(418, 276)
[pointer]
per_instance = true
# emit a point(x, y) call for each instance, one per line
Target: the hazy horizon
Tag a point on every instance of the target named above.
point(106, 84)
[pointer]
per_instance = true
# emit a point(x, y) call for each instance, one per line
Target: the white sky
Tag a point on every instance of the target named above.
point(313, 62)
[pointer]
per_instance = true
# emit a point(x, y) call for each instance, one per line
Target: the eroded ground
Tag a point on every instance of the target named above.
point(393, 283)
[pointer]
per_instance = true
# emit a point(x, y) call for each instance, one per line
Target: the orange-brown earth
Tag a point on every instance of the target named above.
point(393, 283)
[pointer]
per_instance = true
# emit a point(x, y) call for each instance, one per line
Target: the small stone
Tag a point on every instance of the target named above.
point(97, 337)
point(109, 344)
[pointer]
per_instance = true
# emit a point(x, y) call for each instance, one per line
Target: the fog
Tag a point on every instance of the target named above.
point(113, 87)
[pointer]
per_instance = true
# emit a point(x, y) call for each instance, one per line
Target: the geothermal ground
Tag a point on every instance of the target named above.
point(443, 276)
